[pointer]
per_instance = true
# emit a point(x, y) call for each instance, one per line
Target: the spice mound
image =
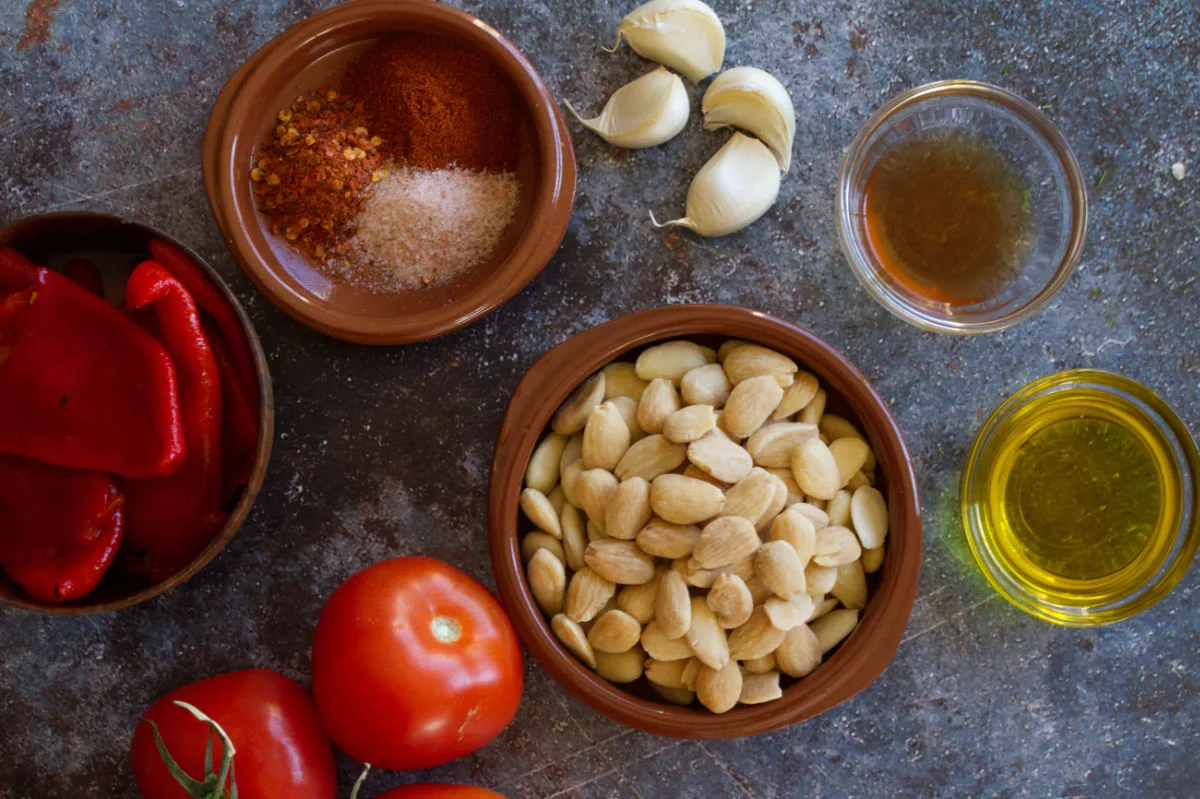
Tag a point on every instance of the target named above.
point(402, 177)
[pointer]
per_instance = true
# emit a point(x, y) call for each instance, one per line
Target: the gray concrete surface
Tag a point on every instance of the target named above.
point(382, 452)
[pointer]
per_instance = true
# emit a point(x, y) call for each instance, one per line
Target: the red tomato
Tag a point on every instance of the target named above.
point(281, 748)
point(414, 663)
point(426, 790)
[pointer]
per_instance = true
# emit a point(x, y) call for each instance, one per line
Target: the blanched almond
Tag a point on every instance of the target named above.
point(628, 409)
point(605, 438)
point(660, 647)
point(759, 593)
point(705, 636)
point(615, 631)
point(752, 497)
point(689, 424)
point(752, 360)
point(838, 509)
point(772, 444)
point(858, 480)
point(543, 469)
point(650, 457)
point(872, 560)
point(850, 587)
point(832, 628)
point(835, 546)
point(705, 385)
point(819, 579)
point(570, 480)
point(572, 452)
point(547, 581)
point(619, 561)
point(869, 515)
point(719, 689)
point(664, 539)
point(659, 400)
point(750, 404)
point(800, 653)
point(786, 614)
point(760, 688)
point(594, 534)
point(622, 667)
point(725, 541)
point(685, 500)
point(821, 606)
point(778, 501)
point(621, 380)
point(691, 670)
point(574, 413)
point(816, 515)
point(850, 454)
point(799, 394)
point(670, 360)
point(728, 346)
point(676, 696)
point(557, 499)
point(756, 638)
point(778, 566)
point(759, 665)
point(794, 494)
point(815, 469)
point(796, 529)
point(628, 510)
point(573, 638)
point(587, 594)
point(667, 673)
point(537, 509)
point(639, 600)
point(692, 470)
point(534, 541)
point(814, 410)
point(835, 427)
point(574, 540)
point(698, 577)
point(730, 600)
point(594, 488)
point(720, 457)
point(673, 607)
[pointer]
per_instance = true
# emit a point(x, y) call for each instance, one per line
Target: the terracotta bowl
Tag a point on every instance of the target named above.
point(849, 668)
point(116, 244)
point(312, 54)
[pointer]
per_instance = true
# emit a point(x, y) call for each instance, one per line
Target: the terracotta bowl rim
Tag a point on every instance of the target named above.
point(266, 422)
point(232, 204)
point(853, 666)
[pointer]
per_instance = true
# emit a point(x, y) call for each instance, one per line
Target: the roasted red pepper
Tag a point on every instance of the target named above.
point(49, 510)
point(83, 386)
point(85, 273)
point(170, 519)
point(76, 573)
point(239, 436)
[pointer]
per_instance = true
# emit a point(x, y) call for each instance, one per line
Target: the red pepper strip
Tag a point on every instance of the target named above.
point(49, 510)
point(85, 387)
point(11, 309)
point(172, 518)
point(86, 274)
point(212, 302)
point(239, 438)
point(74, 574)
point(16, 272)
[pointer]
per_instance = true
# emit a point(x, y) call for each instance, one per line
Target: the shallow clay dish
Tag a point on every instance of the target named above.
point(312, 54)
point(849, 668)
point(115, 245)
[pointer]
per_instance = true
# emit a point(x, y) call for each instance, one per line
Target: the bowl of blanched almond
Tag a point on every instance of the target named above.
point(704, 521)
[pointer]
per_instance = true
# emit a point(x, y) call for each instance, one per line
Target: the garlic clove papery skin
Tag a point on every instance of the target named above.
point(685, 35)
point(755, 101)
point(737, 186)
point(643, 113)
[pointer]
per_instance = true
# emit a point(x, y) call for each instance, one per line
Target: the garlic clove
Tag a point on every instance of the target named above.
point(732, 190)
point(643, 113)
point(685, 35)
point(755, 101)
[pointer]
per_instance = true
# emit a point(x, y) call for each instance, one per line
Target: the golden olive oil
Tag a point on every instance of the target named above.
point(1076, 498)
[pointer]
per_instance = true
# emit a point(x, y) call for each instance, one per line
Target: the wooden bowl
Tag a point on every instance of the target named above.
point(306, 57)
point(849, 668)
point(115, 243)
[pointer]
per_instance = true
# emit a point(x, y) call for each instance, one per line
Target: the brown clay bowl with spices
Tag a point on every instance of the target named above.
point(312, 54)
point(116, 244)
point(846, 670)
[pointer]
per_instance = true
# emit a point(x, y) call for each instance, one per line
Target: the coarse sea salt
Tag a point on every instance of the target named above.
point(421, 228)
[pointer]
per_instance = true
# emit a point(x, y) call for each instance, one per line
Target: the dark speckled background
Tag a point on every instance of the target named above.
point(382, 452)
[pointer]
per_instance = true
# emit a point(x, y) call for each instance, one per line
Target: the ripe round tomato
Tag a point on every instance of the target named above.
point(414, 663)
point(281, 747)
point(427, 790)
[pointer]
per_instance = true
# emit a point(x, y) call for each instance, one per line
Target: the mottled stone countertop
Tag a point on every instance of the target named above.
point(385, 451)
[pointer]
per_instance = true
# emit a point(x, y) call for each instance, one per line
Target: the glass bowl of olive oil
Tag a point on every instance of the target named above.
point(1079, 498)
point(961, 208)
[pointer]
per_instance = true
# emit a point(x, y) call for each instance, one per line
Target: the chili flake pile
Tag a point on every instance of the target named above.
point(312, 176)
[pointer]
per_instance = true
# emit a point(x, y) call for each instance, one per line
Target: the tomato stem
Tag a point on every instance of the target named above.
point(361, 778)
point(213, 784)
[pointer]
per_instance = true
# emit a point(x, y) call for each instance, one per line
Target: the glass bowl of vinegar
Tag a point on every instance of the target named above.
point(1079, 498)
